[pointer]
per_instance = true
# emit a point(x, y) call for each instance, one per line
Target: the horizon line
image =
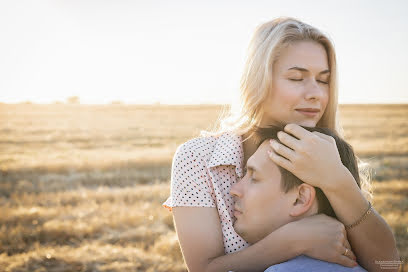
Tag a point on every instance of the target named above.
point(120, 103)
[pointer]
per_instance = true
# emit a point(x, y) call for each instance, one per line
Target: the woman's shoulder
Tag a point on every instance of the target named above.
point(198, 146)
point(203, 146)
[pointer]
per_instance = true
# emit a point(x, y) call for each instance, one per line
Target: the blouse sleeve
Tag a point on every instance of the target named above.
point(190, 182)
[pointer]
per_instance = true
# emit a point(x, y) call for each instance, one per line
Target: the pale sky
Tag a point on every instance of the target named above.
point(181, 52)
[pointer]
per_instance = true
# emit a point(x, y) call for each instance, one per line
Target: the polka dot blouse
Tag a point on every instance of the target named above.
point(203, 171)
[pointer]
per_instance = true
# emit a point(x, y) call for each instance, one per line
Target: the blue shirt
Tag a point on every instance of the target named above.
point(305, 263)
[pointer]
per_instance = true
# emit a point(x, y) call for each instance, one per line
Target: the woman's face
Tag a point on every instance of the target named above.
point(300, 89)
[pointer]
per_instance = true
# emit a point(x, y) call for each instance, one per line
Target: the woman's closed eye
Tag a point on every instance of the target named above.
point(323, 82)
point(300, 79)
point(296, 79)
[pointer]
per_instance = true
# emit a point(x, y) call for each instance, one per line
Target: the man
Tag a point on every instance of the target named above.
point(269, 197)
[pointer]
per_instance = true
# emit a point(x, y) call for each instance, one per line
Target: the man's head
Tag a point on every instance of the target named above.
point(269, 196)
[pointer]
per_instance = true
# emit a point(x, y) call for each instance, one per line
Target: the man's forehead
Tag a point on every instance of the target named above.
point(265, 145)
point(261, 157)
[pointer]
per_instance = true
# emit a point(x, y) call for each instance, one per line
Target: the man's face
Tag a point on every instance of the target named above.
point(261, 206)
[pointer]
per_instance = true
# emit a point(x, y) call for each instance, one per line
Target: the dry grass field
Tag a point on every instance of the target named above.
point(81, 186)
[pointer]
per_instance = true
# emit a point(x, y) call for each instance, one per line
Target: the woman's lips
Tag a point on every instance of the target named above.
point(309, 112)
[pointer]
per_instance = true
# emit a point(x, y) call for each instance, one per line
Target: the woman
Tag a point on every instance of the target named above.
point(289, 78)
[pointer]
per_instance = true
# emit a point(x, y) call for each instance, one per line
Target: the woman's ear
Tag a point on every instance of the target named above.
point(305, 203)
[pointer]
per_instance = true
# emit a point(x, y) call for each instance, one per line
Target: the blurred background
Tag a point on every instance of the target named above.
point(95, 97)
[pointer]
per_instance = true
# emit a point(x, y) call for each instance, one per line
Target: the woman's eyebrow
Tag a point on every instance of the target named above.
point(305, 70)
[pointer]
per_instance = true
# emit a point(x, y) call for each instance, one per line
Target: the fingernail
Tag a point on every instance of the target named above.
point(274, 144)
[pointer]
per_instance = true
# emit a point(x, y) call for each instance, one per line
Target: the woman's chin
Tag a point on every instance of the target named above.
point(308, 123)
point(304, 123)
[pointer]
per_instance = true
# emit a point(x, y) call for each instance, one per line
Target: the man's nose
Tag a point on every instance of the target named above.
point(236, 189)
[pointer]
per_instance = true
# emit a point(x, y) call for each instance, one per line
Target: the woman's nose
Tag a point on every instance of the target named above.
point(314, 91)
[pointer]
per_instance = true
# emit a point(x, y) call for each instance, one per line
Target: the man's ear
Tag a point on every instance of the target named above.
point(305, 196)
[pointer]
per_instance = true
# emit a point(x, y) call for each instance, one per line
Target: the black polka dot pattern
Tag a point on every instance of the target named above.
point(203, 171)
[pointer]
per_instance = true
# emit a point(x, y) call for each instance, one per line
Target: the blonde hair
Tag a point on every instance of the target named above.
point(268, 40)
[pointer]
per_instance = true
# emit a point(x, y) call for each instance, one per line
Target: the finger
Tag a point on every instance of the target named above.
point(324, 136)
point(281, 161)
point(346, 261)
point(296, 131)
point(350, 253)
point(289, 140)
point(282, 150)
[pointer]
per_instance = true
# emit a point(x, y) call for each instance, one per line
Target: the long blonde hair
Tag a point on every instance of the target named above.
point(268, 40)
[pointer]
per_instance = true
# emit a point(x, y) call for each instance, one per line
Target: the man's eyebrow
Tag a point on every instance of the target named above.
point(305, 70)
point(251, 168)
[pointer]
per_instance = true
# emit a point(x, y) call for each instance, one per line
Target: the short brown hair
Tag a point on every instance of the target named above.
point(289, 180)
